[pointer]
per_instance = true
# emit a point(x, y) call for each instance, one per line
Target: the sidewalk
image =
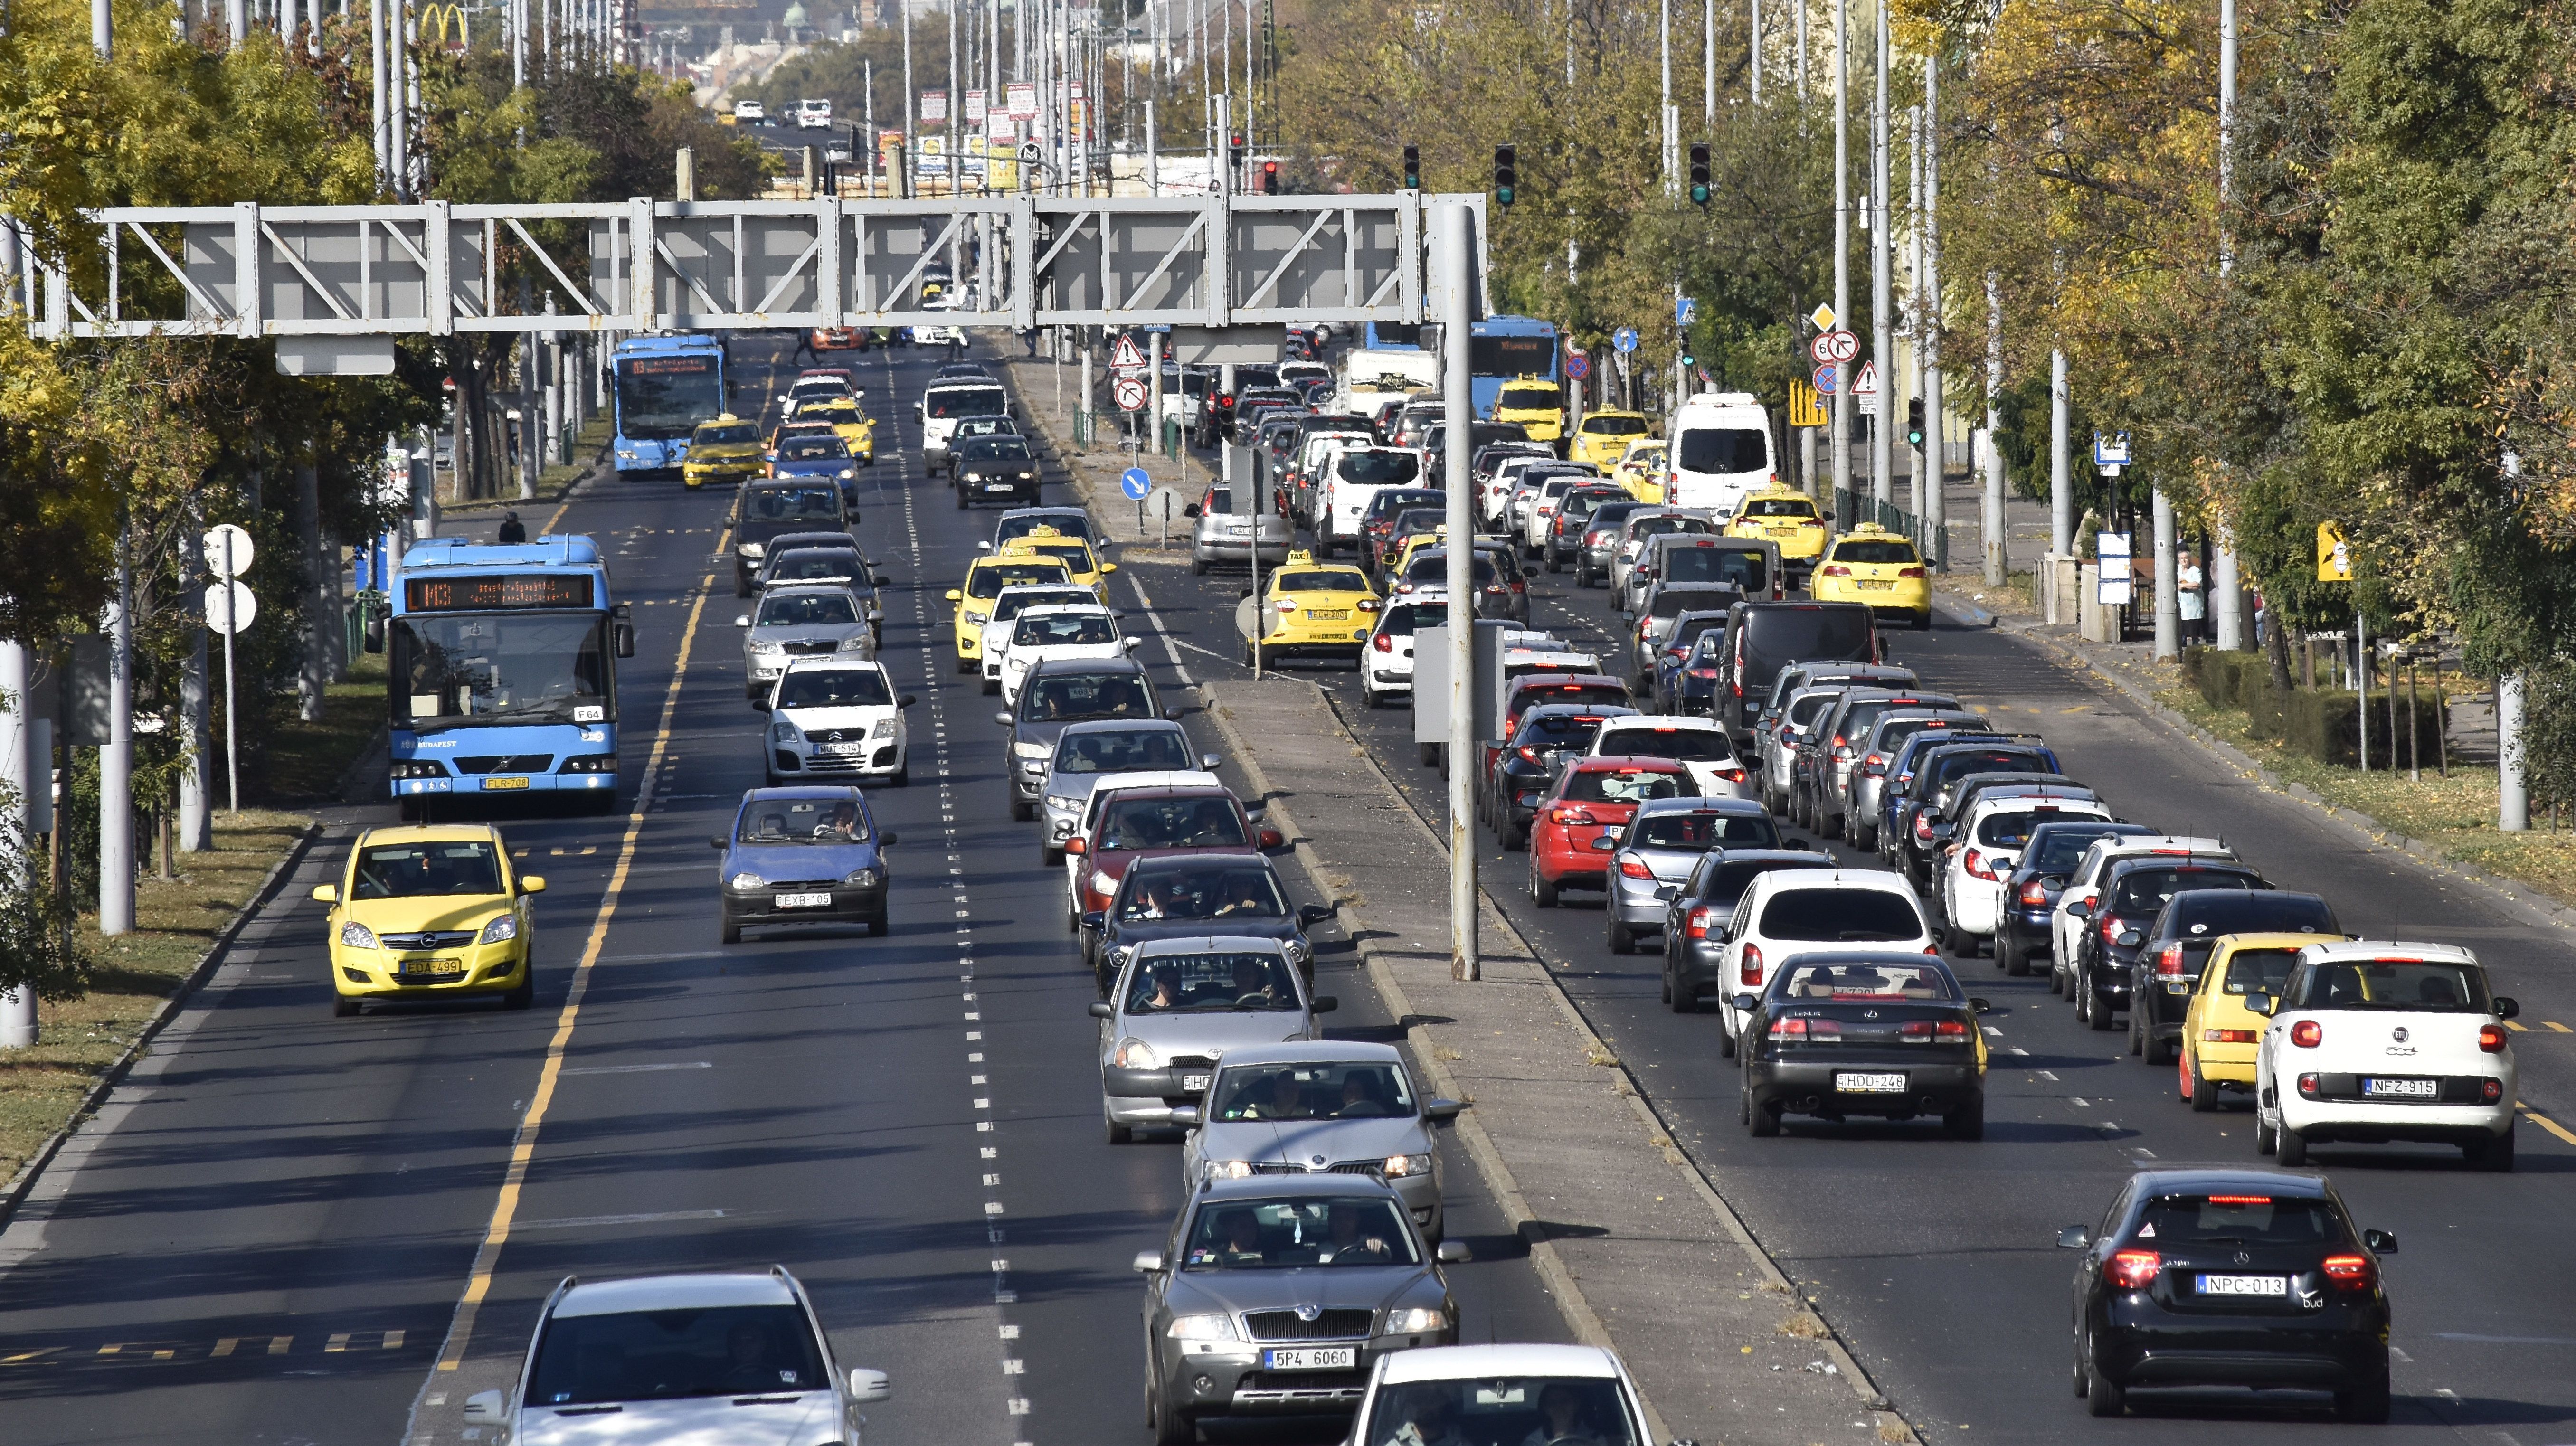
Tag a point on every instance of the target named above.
point(1095, 473)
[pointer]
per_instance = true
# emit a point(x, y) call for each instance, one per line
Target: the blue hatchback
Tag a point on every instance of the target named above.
point(809, 855)
point(819, 455)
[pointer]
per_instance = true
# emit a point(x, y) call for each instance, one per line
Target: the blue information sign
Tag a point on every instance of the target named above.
point(1625, 338)
point(1135, 483)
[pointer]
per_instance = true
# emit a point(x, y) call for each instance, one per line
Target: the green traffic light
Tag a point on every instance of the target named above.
point(1699, 195)
point(1503, 194)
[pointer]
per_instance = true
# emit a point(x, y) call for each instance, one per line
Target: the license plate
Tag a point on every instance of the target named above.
point(2178, 986)
point(844, 750)
point(804, 901)
point(1869, 585)
point(1329, 615)
point(999, 486)
point(1194, 1083)
point(432, 968)
point(2244, 1285)
point(1781, 531)
point(2410, 1089)
point(1870, 1084)
point(1310, 1358)
point(490, 784)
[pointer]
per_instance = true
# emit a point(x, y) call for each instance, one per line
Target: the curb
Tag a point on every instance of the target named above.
point(16, 1191)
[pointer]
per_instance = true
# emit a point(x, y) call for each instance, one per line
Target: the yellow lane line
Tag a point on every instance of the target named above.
point(505, 1210)
point(2554, 1024)
point(2517, 1028)
point(2552, 1126)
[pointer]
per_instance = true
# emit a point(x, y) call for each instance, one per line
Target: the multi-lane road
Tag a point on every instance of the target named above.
point(299, 1228)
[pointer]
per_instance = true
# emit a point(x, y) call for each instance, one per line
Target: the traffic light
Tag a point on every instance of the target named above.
point(1413, 168)
point(1270, 178)
point(1914, 423)
point(1507, 176)
point(1699, 173)
point(1234, 145)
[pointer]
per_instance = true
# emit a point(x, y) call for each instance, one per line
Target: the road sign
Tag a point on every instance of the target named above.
point(1135, 483)
point(1806, 407)
point(230, 607)
point(2111, 452)
point(1125, 357)
point(1130, 393)
point(1020, 98)
point(1827, 376)
point(1823, 317)
point(228, 550)
point(1625, 339)
point(1685, 310)
point(2334, 554)
point(1578, 367)
point(1834, 346)
point(2114, 587)
point(1030, 153)
point(1865, 387)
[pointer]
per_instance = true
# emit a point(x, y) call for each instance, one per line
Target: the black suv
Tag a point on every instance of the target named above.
point(2166, 970)
point(2132, 892)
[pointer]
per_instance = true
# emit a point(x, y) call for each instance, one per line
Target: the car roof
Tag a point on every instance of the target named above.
point(1626, 763)
point(1118, 725)
point(2265, 938)
point(1164, 783)
point(2228, 1180)
point(803, 790)
point(1671, 722)
point(2163, 843)
point(1319, 1051)
point(2128, 864)
point(1477, 1363)
point(789, 541)
point(804, 587)
point(2327, 953)
point(1730, 807)
point(1126, 666)
point(1272, 1187)
point(1175, 863)
point(674, 1292)
point(835, 663)
point(1830, 876)
point(431, 833)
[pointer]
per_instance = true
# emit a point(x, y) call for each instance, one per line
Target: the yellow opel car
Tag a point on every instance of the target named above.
point(985, 579)
point(2220, 1036)
point(1074, 552)
point(1871, 565)
point(1641, 471)
point(724, 450)
point(857, 428)
point(1537, 404)
point(1603, 438)
point(431, 912)
point(1786, 516)
point(1314, 609)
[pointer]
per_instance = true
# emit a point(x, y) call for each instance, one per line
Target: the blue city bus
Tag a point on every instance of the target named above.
point(1502, 349)
point(502, 661)
point(665, 386)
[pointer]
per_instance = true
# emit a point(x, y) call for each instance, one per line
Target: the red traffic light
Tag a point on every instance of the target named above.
point(1270, 178)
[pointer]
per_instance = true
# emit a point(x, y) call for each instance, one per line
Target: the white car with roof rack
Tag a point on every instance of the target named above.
point(2083, 886)
point(1063, 631)
point(1008, 604)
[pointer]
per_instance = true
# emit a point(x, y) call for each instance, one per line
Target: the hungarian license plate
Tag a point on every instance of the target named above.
point(432, 968)
point(1194, 1083)
point(1869, 1084)
point(1781, 531)
point(1329, 615)
point(844, 750)
point(1000, 486)
point(2404, 1089)
point(490, 784)
point(2244, 1285)
point(804, 901)
point(1874, 585)
point(1310, 1358)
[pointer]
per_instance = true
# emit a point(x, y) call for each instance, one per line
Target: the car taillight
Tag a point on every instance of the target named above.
point(1580, 816)
point(2169, 959)
point(1925, 1031)
point(2351, 1272)
point(1909, 572)
point(2490, 1090)
point(1286, 605)
point(1383, 642)
point(1703, 672)
point(1520, 586)
point(1807, 1031)
point(1975, 864)
point(2491, 1038)
point(1700, 921)
point(2227, 1036)
point(2132, 1269)
point(1833, 570)
point(2110, 928)
point(2034, 894)
point(1749, 968)
point(1635, 869)
point(1923, 827)
point(1732, 773)
point(1531, 754)
point(2307, 1034)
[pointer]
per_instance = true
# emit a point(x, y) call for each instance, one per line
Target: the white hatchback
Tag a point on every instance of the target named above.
point(1039, 635)
point(831, 718)
point(1697, 744)
point(1386, 664)
point(2377, 1041)
point(1988, 848)
point(1007, 607)
point(1800, 911)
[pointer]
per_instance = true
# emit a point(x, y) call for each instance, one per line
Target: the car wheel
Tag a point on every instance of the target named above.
point(2266, 1139)
point(2291, 1147)
point(2200, 1090)
point(2494, 1156)
point(2102, 1395)
point(1664, 982)
point(2137, 1032)
point(992, 686)
point(524, 995)
point(1198, 566)
point(2056, 978)
point(1923, 621)
point(1173, 1428)
point(1761, 1121)
point(2365, 1405)
point(1553, 564)
point(1051, 856)
point(1116, 1133)
point(965, 664)
point(343, 1007)
point(2102, 1017)
point(2080, 995)
point(961, 499)
point(2161, 1051)
point(1968, 1121)
point(1865, 837)
point(732, 932)
point(1514, 839)
point(1429, 754)
point(2013, 956)
point(1623, 940)
point(1542, 893)
point(1021, 810)
point(903, 775)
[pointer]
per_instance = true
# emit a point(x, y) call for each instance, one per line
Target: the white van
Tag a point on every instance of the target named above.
point(814, 114)
point(1718, 446)
point(1356, 475)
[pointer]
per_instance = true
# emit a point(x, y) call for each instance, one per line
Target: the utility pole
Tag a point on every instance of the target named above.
point(1840, 443)
point(399, 115)
point(1913, 330)
point(1992, 517)
point(1664, 117)
point(911, 102)
point(2061, 458)
point(383, 122)
point(1458, 318)
point(116, 756)
point(1882, 436)
point(1708, 64)
point(2226, 584)
point(1936, 508)
point(2168, 613)
point(1754, 52)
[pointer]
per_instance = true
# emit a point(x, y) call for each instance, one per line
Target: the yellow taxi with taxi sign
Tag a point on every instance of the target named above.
point(1872, 565)
point(2220, 1036)
point(1312, 609)
point(856, 428)
point(1604, 437)
point(985, 579)
point(1786, 516)
point(1074, 552)
point(724, 450)
point(1641, 471)
point(1536, 403)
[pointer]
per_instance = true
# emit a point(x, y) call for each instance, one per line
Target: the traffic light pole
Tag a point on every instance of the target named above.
point(1458, 325)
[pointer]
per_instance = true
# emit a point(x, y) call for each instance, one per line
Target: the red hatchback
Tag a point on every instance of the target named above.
point(1591, 803)
point(1148, 823)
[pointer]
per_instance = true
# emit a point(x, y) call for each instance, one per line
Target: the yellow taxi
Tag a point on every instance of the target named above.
point(1536, 403)
point(857, 428)
point(724, 450)
point(1603, 437)
point(1074, 552)
point(985, 579)
point(1786, 516)
point(431, 912)
point(1312, 609)
point(2220, 1036)
point(1640, 472)
point(1872, 565)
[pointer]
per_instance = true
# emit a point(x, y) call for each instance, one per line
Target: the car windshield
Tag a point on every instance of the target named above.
point(426, 870)
point(808, 449)
point(1514, 1410)
point(2063, 848)
point(1074, 553)
point(1052, 630)
point(1880, 553)
point(1666, 524)
point(801, 821)
point(1623, 785)
point(1402, 622)
point(1778, 507)
point(1011, 528)
point(1776, 636)
point(1558, 730)
point(2239, 1220)
point(2143, 891)
point(726, 434)
point(967, 402)
point(1065, 697)
point(807, 610)
point(1748, 570)
point(781, 506)
point(1123, 750)
point(1614, 426)
point(1702, 831)
point(1845, 916)
point(1726, 882)
point(522, 667)
point(1311, 1092)
point(1335, 581)
point(1725, 449)
point(1924, 982)
point(1380, 469)
point(1240, 892)
point(995, 449)
point(659, 1355)
point(2258, 971)
point(986, 426)
point(1672, 601)
point(1433, 566)
point(2010, 830)
point(2252, 912)
point(989, 579)
point(2407, 985)
point(1690, 630)
point(1686, 745)
point(834, 688)
point(1529, 399)
point(1306, 1231)
point(1172, 823)
point(1212, 983)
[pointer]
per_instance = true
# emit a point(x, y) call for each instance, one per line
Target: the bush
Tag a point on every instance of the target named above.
point(2326, 726)
point(2226, 680)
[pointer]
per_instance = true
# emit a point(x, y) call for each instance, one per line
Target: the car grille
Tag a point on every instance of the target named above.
point(840, 735)
point(1332, 1325)
point(428, 939)
point(1190, 1062)
point(804, 886)
point(1299, 1387)
point(504, 763)
point(809, 647)
point(826, 766)
point(1338, 1167)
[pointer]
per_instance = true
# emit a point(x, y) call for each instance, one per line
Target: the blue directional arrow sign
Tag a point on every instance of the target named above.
point(1625, 339)
point(1135, 483)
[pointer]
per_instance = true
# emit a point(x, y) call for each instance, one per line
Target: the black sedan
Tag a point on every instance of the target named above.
point(2133, 891)
point(1192, 894)
point(2251, 1278)
point(1868, 1032)
point(997, 468)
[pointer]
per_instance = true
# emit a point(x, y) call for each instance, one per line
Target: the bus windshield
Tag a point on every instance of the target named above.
point(456, 668)
point(663, 398)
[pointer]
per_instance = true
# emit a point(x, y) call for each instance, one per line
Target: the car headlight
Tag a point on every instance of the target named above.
point(766, 648)
point(1119, 956)
point(1407, 1165)
point(1102, 883)
point(1062, 804)
point(782, 731)
point(1201, 1328)
point(1416, 1319)
point(855, 643)
point(865, 878)
point(977, 619)
point(1135, 1054)
point(1032, 750)
point(970, 477)
point(886, 728)
point(1229, 1169)
point(1298, 952)
point(625, 454)
point(752, 549)
point(847, 473)
point(354, 935)
point(747, 881)
point(501, 930)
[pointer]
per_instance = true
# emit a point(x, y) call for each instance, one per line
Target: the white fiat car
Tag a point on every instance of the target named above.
point(1014, 600)
point(2377, 1041)
point(1801, 911)
point(835, 718)
point(1988, 849)
point(1039, 634)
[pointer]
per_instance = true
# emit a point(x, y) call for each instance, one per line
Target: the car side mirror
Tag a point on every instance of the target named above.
point(867, 1386)
point(1076, 847)
point(2262, 1004)
point(2132, 938)
point(759, 704)
point(486, 1406)
point(1606, 844)
point(906, 701)
point(1003, 718)
point(1442, 1111)
point(1669, 892)
point(718, 843)
point(1209, 761)
point(2080, 909)
point(1313, 914)
point(1094, 918)
point(1132, 644)
point(1149, 1262)
point(742, 620)
point(983, 547)
point(1192, 510)
point(2507, 1008)
point(1272, 838)
point(1173, 712)
point(532, 883)
point(954, 595)
point(1451, 1252)
point(1108, 567)
point(1325, 1004)
point(1103, 1009)
point(2074, 1237)
point(1746, 1003)
point(887, 839)
point(885, 579)
point(621, 636)
point(327, 893)
point(1185, 1116)
point(1979, 1005)
point(2381, 1242)
point(1827, 516)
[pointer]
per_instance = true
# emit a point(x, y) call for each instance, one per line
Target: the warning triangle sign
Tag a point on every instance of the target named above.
point(1866, 384)
point(1125, 354)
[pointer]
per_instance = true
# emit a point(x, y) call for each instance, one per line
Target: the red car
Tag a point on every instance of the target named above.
point(1150, 823)
point(1596, 690)
point(1593, 799)
point(839, 338)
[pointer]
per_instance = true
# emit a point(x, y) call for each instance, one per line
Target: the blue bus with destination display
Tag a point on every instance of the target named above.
point(502, 668)
point(664, 387)
point(1501, 349)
